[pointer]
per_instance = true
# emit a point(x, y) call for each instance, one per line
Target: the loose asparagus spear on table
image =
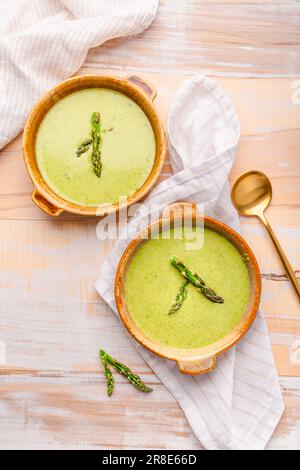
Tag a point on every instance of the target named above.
point(134, 379)
point(196, 280)
point(109, 377)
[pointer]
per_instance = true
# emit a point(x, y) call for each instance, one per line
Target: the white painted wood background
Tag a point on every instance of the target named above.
point(52, 323)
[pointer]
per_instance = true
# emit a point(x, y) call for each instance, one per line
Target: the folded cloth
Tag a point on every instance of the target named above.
point(44, 42)
point(238, 405)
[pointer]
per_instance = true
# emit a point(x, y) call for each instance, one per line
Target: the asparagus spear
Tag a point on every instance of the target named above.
point(123, 370)
point(84, 146)
point(196, 280)
point(96, 138)
point(108, 374)
point(180, 297)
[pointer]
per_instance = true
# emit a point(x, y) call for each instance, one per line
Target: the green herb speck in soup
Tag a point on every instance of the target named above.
point(89, 176)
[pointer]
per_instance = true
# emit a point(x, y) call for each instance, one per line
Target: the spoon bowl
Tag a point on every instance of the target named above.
point(251, 193)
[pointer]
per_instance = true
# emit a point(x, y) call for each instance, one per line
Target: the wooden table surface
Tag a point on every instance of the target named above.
point(52, 322)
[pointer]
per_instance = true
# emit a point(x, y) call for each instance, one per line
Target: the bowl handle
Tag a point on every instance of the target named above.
point(197, 367)
point(146, 86)
point(180, 208)
point(45, 205)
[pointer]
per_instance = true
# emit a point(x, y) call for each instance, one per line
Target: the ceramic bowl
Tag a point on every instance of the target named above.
point(136, 88)
point(200, 360)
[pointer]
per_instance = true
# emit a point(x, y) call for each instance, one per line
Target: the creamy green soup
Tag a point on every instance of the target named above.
point(151, 285)
point(127, 149)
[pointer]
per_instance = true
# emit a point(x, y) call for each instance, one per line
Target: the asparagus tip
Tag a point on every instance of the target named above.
point(101, 353)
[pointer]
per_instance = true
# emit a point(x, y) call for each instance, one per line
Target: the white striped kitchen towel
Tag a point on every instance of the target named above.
point(43, 42)
point(238, 405)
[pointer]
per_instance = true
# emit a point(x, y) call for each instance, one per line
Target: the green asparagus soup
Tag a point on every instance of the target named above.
point(152, 283)
point(127, 147)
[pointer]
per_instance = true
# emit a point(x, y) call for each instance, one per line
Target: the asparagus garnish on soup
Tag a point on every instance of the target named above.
point(196, 280)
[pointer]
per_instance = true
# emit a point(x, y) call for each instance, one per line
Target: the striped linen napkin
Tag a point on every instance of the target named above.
point(43, 42)
point(238, 405)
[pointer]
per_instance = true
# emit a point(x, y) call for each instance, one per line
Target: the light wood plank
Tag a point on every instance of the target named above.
point(73, 412)
point(243, 39)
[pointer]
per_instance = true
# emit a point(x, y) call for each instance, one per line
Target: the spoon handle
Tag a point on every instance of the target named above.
point(283, 258)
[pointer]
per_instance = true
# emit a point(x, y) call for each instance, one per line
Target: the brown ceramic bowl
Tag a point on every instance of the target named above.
point(201, 360)
point(140, 91)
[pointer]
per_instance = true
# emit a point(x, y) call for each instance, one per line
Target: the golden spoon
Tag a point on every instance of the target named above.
point(251, 194)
